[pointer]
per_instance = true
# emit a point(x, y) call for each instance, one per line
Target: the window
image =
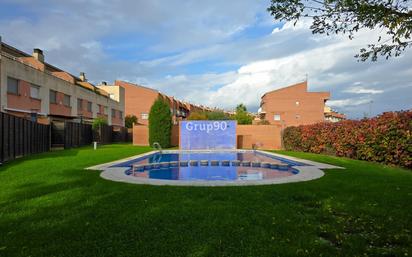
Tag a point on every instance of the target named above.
point(120, 114)
point(105, 110)
point(79, 104)
point(53, 97)
point(276, 117)
point(66, 100)
point(89, 106)
point(35, 91)
point(113, 113)
point(12, 86)
point(297, 103)
point(297, 116)
point(145, 116)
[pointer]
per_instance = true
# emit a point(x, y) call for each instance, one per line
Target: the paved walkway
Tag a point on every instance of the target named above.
point(310, 172)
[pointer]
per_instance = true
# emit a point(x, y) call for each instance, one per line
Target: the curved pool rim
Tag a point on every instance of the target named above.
point(307, 170)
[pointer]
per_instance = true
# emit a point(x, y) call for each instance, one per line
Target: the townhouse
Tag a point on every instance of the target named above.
point(295, 105)
point(34, 89)
point(139, 100)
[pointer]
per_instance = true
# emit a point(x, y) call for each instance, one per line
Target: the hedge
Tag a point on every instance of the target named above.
point(386, 138)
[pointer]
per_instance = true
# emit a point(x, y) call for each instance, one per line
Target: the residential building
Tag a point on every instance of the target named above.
point(36, 90)
point(139, 99)
point(293, 106)
point(333, 116)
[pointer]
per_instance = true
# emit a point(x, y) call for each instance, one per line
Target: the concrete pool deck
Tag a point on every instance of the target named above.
point(312, 171)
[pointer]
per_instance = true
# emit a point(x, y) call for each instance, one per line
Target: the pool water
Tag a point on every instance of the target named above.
point(210, 166)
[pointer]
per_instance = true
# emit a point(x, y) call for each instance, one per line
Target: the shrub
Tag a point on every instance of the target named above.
point(129, 120)
point(263, 122)
point(386, 138)
point(218, 115)
point(160, 123)
point(197, 116)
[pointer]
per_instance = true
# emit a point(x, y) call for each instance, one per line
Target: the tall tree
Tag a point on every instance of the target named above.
point(241, 107)
point(349, 16)
point(242, 116)
point(160, 123)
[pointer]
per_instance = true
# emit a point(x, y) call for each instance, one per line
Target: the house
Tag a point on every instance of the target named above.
point(295, 105)
point(34, 89)
point(139, 99)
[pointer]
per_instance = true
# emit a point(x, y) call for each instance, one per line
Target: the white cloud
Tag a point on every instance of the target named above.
point(361, 90)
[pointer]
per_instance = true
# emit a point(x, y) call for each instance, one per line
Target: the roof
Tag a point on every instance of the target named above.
point(305, 83)
point(25, 57)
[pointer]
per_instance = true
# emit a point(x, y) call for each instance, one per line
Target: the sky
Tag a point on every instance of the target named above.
point(215, 53)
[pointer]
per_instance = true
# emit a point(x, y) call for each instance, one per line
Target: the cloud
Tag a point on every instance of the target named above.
point(361, 90)
point(210, 52)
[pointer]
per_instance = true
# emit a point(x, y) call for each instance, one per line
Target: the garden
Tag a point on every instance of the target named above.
point(51, 206)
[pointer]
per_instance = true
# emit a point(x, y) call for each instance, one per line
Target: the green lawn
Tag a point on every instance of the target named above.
point(51, 206)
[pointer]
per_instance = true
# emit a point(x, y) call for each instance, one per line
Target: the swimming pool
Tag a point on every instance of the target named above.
point(211, 168)
point(226, 165)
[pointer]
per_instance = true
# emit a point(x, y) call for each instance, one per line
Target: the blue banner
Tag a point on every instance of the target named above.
point(207, 134)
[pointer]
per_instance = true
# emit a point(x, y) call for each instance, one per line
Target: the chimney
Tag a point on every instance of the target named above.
point(83, 77)
point(104, 83)
point(38, 54)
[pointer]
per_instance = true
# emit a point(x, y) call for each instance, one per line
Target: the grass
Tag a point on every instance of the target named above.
point(51, 206)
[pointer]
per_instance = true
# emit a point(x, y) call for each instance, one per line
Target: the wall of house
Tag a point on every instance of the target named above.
point(141, 135)
point(138, 100)
point(264, 136)
point(295, 105)
point(32, 75)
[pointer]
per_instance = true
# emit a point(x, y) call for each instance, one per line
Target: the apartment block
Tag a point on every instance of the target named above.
point(36, 90)
point(139, 100)
point(295, 105)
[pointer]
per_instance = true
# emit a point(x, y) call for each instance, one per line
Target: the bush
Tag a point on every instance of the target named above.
point(197, 116)
point(160, 123)
point(218, 115)
point(213, 115)
point(129, 120)
point(386, 138)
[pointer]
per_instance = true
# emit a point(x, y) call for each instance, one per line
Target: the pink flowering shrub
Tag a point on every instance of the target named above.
point(386, 138)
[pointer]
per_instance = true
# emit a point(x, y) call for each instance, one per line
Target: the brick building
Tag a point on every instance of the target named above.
point(139, 100)
point(294, 106)
point(36, 90)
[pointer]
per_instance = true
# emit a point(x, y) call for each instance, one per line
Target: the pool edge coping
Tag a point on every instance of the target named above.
point(306, 173)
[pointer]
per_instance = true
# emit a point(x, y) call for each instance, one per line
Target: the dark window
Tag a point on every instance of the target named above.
point(53, 97)
point(12, 86)
point(66, 100)
point(79, 104)
point(120, 114)
point(113, 113)
point(89, 106)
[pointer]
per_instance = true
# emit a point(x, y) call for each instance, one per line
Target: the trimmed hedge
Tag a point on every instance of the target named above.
point(386, 138)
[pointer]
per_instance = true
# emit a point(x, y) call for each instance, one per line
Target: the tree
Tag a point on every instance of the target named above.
point(160, 123)
point(129, 120)
point(241, 107)
point(242, 116)
point(98, 122)
point(349, 16)
point(217, 115)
